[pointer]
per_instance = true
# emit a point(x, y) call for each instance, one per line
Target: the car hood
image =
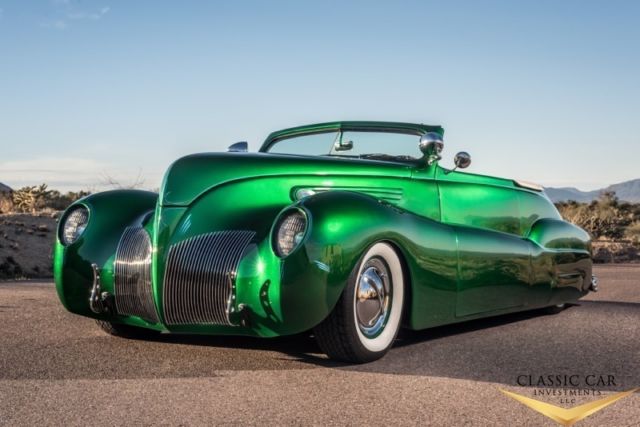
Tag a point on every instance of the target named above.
point(191, 176)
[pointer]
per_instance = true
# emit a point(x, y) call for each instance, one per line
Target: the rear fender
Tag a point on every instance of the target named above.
point(561, 256)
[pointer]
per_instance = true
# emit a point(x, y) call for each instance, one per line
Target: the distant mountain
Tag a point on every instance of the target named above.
point(628, 191)
point(4, 188)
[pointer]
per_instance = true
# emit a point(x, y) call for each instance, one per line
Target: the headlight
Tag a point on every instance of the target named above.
point(74, 224)
point(289, 232)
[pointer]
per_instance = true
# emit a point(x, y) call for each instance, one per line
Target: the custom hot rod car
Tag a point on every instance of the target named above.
point(347, 229)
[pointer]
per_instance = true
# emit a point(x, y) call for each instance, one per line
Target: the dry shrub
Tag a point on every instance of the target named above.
point(39, 198)
point(6, 203)
point(606, 217)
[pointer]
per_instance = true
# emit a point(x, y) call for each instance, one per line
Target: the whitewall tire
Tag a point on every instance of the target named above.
point(365, 322)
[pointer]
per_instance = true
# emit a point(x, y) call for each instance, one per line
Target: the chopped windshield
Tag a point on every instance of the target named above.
point(375, 145)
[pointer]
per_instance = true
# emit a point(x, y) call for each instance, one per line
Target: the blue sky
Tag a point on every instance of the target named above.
point(547, 91)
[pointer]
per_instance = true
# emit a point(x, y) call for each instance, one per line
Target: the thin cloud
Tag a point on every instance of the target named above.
point(49, 168)
point(58, 24)
point(68, 11)
point(72, 173)
point(78, 15)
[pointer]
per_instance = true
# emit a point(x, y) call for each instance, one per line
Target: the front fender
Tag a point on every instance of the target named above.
point(342, 226)
point(110, 213)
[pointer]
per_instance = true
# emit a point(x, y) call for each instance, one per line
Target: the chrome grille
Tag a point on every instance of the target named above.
point(133, 293)
point(200, 275)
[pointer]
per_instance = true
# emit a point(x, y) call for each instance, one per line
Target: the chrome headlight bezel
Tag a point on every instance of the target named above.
point(289, 231)
point(73, 224)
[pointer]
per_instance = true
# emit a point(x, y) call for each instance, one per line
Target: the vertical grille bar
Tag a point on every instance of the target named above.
point(133, 293)
point(198, 288)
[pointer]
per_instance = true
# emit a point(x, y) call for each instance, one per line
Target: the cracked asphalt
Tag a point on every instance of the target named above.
point(60, 369)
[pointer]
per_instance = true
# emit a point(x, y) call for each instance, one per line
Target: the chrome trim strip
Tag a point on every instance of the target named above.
point(383, 193)
point(528, 185)
point(199, 281)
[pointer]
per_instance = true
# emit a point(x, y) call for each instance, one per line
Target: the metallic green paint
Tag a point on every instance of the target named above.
point(110, 213)
point(193, 176)
point(471, 245)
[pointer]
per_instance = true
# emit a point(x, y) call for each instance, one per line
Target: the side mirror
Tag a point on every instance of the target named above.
point(462, 160)
point(238, 147)
point(431, 146)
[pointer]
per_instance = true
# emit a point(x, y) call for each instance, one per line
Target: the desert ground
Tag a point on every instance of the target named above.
point(26, 244)
point(60, 369)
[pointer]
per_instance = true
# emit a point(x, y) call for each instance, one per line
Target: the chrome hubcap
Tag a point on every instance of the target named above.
point(373, 298)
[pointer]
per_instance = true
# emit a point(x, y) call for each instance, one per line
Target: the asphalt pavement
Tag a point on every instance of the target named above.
point(60, 369)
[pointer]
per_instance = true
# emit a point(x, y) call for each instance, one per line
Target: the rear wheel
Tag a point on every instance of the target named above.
point(366, 319)
point(125, 331)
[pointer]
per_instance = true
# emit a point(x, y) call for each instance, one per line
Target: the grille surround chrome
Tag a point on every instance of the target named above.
point(133, 288)
point(199, 280)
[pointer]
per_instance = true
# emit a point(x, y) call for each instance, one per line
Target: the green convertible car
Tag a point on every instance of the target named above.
point(347, 229)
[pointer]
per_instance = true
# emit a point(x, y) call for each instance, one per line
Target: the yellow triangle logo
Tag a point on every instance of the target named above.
point(568, 417)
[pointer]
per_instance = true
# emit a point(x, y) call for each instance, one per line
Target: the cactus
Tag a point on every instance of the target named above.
point(30, 198)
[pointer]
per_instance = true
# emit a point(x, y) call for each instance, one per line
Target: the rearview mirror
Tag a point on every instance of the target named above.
point(343, 145)
point(238, 147)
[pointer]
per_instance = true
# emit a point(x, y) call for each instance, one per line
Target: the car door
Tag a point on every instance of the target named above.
point(494, 268)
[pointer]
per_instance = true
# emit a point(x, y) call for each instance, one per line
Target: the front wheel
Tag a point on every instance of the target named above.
point(126, 331)
point(366, 319)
